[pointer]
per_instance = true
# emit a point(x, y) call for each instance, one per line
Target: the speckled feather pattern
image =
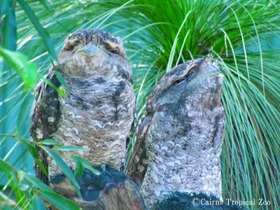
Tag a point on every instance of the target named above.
point(97, 112)
point(179, 141)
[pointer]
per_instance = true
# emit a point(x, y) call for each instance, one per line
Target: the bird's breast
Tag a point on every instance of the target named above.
point(97, 114)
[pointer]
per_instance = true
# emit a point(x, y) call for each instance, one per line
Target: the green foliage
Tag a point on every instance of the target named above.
point(243, 36)
point(13, 101)
point(23, 188)
point(81, 164)
point(19, 62)
point(60, 162)
point(42, 32)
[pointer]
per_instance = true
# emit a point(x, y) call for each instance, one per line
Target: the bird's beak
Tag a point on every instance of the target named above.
point(89, 49)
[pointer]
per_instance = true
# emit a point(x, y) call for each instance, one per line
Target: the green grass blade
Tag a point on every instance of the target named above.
point(63, 166)
point(41, 30)
point(9, 30)
point(49, 195)
point(86, 164)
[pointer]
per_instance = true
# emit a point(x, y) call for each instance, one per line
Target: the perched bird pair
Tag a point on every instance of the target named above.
point(178, 142)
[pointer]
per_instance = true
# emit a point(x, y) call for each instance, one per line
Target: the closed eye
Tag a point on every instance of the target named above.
point(178, 81)
point(188, 77)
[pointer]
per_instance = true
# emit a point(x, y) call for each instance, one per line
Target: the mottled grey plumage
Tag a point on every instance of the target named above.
point(97, 112)
point(179, 141)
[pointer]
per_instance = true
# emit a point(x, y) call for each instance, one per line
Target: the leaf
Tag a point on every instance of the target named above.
point(58, 201)
point(59, 90)
point(9, 30)
point(43, 2)
point(49, 195)
point(5, 7)
point(79, 169)
point(41, 30)
point(5, 200)
point(61, 80)
point(25, 107)
point(50, 142)
point(41, 166)
point(70, 148)
point(19, 62)
point(7, 168)
point(32, 151)
point(35, 182)
point(85, 164)
point(28, 145)
point(63, 166)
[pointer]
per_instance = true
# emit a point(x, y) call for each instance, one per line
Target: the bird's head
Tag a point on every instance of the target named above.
point(184, 80)
point(92, 51)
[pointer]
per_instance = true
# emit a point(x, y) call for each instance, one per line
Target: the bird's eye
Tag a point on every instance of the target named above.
point(111, 48)
point(178, 81)
point(115, 51)
point(186, 77)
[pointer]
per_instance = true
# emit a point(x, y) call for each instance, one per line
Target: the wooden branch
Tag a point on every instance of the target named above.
point(112, 190)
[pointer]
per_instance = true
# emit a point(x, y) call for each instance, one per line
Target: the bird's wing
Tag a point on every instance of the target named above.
point(138, 163)
point(45, 117)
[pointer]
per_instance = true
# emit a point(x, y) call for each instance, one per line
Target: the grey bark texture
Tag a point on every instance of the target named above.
point(179, 140)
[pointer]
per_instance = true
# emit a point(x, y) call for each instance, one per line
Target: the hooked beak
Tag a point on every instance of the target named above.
point(89, 49)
